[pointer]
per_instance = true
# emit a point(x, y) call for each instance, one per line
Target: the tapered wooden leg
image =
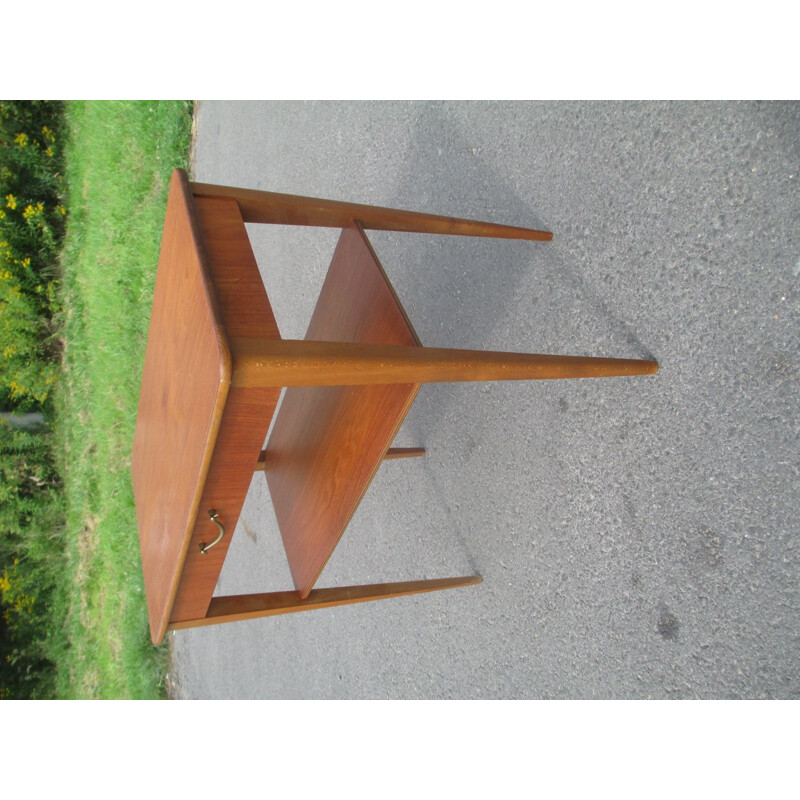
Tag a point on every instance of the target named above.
point(391, 453)
point(404, 452)
point(251, 606)
point(289, 209)
point(269, 362)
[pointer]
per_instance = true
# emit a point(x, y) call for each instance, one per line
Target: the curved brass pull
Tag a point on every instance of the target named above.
point(204, 548)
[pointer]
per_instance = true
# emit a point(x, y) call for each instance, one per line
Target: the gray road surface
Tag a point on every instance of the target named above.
point(637, 537)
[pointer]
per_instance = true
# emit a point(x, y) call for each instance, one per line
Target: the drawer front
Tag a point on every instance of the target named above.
point(245, 422)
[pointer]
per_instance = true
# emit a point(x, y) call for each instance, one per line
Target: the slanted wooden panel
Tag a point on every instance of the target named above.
point(328, 442)
point(184, 387)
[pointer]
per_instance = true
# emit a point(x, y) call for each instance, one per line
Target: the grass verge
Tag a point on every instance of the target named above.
point(119, 158)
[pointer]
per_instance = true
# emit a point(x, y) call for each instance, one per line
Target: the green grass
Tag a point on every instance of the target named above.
point(119, 158)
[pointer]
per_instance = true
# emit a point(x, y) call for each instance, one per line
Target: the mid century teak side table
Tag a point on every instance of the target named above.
point(214, 369)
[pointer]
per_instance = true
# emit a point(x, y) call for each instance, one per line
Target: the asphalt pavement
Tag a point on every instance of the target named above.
point(637, 537)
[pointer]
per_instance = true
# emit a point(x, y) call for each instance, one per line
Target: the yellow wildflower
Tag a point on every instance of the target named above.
point(11, 201)
point(21, 139)
point(28, 212)
point(49, 151)
point(2, 214)
point(61, 210)
point(26, 262)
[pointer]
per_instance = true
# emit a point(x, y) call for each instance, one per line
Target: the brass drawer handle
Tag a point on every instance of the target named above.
point(204, 548)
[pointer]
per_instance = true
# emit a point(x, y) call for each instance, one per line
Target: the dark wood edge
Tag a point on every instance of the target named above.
point(389, 284)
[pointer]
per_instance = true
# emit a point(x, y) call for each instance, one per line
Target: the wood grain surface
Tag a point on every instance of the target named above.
point(184, 388)
point(321, 363)
point(328, 441)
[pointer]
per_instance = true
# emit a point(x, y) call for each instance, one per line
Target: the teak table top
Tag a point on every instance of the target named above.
point(214, 369)
point(185, 384)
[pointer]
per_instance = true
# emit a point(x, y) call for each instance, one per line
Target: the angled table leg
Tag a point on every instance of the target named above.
point(289, 209)
point(391, 453)
point(235, 608)
point(289, 362)
point(404, 452)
